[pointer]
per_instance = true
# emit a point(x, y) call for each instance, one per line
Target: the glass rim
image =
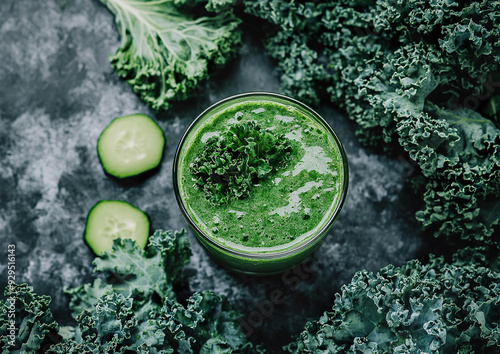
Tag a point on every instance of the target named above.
point(269, 254)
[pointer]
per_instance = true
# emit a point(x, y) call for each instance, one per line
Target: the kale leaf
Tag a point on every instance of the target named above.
point(437, 307)
point(25, 320)
point(135, 309)
point(420, 78)
point(166, 51)
point(241, 156)
point(141, 274)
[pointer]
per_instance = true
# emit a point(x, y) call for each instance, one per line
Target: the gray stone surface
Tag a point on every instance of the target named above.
point(58, 92)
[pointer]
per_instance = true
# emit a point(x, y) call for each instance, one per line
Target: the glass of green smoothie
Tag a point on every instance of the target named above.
point(260, 178)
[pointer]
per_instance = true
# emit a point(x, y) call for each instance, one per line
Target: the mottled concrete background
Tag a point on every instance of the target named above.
point(58, 92)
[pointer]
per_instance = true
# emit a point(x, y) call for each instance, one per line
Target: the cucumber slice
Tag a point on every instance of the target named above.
point(130, 145)
point(110, 219)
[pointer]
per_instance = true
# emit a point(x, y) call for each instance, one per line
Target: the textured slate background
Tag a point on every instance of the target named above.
point(58, 92)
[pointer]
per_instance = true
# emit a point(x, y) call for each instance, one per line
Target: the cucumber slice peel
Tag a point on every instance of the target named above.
point(111, 219)
point(130, 145)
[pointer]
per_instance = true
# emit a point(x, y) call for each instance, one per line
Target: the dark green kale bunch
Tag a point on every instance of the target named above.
point(421, 79)
point(25, 320)
point(133, 310)
point(437, 307)
point(232, 162)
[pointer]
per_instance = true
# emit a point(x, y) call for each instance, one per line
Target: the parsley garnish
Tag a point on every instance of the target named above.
point(241, 156)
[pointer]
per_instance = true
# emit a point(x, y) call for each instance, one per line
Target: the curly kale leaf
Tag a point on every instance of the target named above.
point(232, 162)
point(32, 321)
point(207, 324)
point(437, 307)
point(111, 326)
point(141, 274)
point(459, 153)
point(136, 309)
point(404, 71)
point(165, 51)
point(84, 297)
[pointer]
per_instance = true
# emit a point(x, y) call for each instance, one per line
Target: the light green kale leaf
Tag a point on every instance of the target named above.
point(166, 51)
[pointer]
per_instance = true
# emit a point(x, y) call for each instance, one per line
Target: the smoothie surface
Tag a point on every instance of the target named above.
point(283, 209)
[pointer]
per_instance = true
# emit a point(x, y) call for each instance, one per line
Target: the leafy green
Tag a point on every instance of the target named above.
point(205, 325)
point(238, 158)
point(209, 317)
point(432, 307)
point(217, 5)
point(132, 272)
point(135, 310)
point(421, 79)
point(437, 307)
point(138, 309)
point(31, 320)
point(166, 50)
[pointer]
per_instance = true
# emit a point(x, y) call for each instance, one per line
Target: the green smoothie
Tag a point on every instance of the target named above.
point(288, 207)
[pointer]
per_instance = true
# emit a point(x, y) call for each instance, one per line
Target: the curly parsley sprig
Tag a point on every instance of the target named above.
point(241, 156)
